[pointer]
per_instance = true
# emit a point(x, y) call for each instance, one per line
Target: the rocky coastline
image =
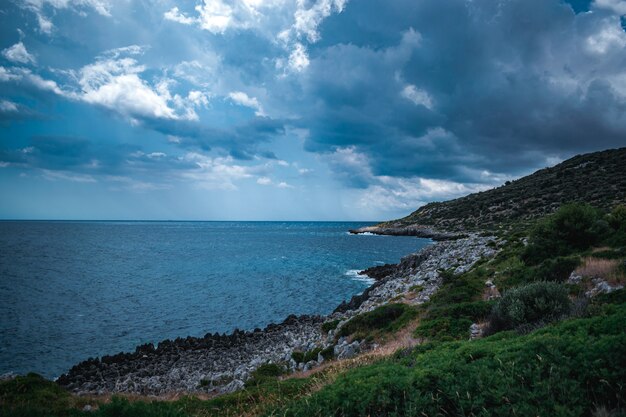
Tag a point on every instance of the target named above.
point(409, 230)
point(222, 363)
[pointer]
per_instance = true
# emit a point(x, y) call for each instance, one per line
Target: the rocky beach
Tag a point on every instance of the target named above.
point(222, 363)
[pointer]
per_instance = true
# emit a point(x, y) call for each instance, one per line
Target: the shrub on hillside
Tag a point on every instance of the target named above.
point(264, 373)
point(452, 321)
point(617, 221)
point(572, 227)
point(556, 269)
point(529, 305)
point(617, 218)
point(386, 318)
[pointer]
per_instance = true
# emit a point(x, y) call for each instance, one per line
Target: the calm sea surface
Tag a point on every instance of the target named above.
point(73, 290)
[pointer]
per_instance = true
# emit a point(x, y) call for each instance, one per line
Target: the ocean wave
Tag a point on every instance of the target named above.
point(363, 234)
point(354, 275)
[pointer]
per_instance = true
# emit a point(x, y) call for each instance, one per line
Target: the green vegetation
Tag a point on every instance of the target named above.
point(573, 227)
point(452, 321)
point(573, 368)
point(329, 325)
point(416, 288)
point(264, 373)
point(556, 269)
point(617, 221)
point(530, 305)
point(32, 395)
point(384, 319)
point(311, 355)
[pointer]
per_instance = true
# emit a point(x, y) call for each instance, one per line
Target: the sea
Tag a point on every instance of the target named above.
point(71, 290)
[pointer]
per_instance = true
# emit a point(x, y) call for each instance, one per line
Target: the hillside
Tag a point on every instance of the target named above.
point(597, 178)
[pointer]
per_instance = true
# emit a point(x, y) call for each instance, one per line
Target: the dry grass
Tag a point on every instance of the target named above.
point(607, 269)
point(329, 371)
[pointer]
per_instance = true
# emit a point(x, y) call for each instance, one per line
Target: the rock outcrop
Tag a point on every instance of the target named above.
point(214, 363)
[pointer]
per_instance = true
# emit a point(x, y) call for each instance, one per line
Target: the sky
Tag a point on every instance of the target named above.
point(296, 109)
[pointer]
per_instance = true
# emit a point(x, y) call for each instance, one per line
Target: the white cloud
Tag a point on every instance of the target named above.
point(101, 7)
point(125, 50)
point(7, 75)
point(243, 99)
point(205, 73)
point(215, 173)
point(18, 53)
point(67, 176)
point(116, 85)
point(287, 22)
point(216, 16)
point(7, 106)
point(394, 194)
point(267, 181)
point(38, 82)
point(351, 165)
point(417, 96)
point(176, 16)
point(617, 6)
point(307, 20)
point(298, 59)
point(609, 37)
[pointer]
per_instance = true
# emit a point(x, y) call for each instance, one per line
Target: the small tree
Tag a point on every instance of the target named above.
point(572, 227)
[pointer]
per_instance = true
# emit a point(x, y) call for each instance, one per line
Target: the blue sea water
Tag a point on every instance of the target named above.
point(73, 290)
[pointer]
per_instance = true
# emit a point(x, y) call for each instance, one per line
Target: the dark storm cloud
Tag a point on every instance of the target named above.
point(450, 89)
point(80, 155)
point(240, 141)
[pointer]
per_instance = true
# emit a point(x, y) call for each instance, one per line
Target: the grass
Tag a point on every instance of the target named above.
point(567, 369)
point(610, 270)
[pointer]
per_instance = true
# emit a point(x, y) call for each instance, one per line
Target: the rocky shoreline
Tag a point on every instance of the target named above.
point(409, 230)
point(222, 363)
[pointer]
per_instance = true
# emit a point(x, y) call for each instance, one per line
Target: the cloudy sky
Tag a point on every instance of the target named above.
point(295, 109)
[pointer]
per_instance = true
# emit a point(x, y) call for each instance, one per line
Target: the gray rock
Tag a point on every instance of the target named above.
point(574, 278)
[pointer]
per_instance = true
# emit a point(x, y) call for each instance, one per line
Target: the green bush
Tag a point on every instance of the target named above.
point(311, 355)
point(556, 269)
point(445, 328)
point(264, 373)
point(384, 319)
point(528, 305)
point(573, 227)
point(617, 221)
point(452, 321)
point(617, 218)
point(328, 353)
point(474, 310)
point(329, 325)
point(32, 395)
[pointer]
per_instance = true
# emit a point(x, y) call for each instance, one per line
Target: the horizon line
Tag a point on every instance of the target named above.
point(189, 221)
